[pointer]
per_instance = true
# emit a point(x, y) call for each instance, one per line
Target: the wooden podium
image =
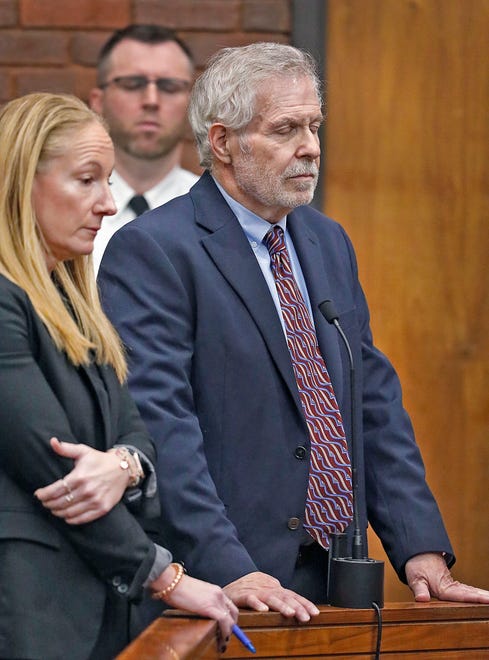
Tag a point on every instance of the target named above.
point(428, 631)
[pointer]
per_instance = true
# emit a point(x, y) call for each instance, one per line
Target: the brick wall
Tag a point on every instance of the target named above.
point(52, 45)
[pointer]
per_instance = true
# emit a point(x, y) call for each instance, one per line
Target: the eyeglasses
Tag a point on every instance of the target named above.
point(139, 83)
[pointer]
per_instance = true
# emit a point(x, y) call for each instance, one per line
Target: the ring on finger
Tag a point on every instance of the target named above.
point(69, 497)
point(65, 484)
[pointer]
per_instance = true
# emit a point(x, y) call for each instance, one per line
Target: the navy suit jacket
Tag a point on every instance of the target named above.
point(212, 376)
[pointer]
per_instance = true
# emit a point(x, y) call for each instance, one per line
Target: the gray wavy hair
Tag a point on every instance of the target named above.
point(226, 91)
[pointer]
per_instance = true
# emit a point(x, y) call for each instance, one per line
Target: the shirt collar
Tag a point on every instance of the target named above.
point(121, 190)
point(124, 193)
point(253, 225)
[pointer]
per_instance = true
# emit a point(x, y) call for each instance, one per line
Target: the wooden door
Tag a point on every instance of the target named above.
point(406, 172)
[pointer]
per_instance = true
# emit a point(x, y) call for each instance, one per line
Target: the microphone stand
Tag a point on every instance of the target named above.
point(357, 581)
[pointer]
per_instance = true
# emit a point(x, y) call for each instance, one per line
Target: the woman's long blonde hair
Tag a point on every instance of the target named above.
point(34, 129)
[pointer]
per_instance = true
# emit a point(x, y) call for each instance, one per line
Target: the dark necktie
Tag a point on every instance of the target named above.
point(138, 204)
point(329, 503)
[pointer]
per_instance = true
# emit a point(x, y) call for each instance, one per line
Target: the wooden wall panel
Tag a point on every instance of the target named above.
point(407, 173)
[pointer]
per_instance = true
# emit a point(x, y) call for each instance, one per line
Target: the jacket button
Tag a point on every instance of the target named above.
point(294, 523)
point(116, 580)
point(300, 452)
point(122, 588)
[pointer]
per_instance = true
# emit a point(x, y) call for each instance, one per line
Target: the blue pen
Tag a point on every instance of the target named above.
point(242, 638)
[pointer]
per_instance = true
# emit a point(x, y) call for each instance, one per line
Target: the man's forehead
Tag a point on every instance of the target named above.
point(287, 95)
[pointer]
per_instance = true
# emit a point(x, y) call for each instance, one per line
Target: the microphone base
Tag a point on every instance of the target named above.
point(356, 583)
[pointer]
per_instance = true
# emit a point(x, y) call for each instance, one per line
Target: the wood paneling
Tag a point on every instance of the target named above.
point(432, 631)
point(407, 174)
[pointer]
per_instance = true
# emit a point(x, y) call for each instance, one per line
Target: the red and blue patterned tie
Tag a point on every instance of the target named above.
point(329, 503)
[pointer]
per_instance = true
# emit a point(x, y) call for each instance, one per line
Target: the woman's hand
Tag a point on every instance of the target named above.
point(94, 486)
point(202, 598)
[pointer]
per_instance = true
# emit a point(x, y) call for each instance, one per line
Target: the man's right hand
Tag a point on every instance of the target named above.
point(262, 592)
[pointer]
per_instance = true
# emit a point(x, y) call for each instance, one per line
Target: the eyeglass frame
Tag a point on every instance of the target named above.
point(142, 82)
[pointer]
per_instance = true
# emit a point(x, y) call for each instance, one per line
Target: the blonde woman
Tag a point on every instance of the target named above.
point(76, 464)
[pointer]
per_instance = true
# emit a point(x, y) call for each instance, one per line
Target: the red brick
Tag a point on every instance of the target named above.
point(53, 44)
point(266, 15)
point(45, 80)
point(205, 44)
point(33, 47)
point(85, 47)
point(85, 79)
point(189, 14)
point(8, 13)
point(190, 157)
point(78, 13)
point(5, 87)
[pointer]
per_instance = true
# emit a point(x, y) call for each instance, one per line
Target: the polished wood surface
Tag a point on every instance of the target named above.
point(427, 631)
point(406, 171)
point(174, 638)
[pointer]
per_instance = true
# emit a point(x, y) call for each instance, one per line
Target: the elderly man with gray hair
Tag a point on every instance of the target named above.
point(242, 382)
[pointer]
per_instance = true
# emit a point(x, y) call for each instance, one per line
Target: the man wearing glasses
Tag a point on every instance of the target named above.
point(144, 76)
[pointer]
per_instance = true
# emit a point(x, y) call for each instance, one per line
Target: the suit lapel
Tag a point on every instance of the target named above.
point(90, 375)
point(229, 249)
point(102, 403)
point(231, 253)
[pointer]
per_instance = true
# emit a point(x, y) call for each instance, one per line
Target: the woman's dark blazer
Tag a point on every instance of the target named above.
point(54, 578)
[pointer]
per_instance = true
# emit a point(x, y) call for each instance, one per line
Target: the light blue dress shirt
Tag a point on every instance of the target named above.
point(255, 229)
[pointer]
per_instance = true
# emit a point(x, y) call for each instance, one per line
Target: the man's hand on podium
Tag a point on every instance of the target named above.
point(428, 576)
point(262, 592)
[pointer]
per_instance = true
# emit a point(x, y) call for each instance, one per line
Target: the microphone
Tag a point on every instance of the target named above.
point(355, 581)
point(328, 310)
